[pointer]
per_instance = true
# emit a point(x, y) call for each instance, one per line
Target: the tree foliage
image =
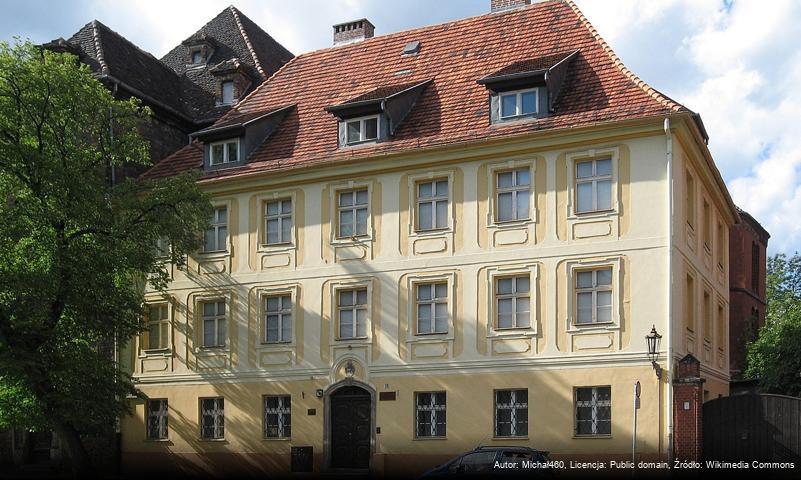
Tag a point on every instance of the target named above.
point(775, 357)
point(75, 249)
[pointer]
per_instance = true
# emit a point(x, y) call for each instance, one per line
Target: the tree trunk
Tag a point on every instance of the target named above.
point(80, 463)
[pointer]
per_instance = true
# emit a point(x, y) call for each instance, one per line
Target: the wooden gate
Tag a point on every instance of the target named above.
point(752, 427)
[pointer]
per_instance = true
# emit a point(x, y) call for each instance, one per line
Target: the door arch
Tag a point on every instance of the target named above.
point(349, 439)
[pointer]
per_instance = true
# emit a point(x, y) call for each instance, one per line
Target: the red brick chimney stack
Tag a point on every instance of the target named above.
point(498, 5)
point(355, 31)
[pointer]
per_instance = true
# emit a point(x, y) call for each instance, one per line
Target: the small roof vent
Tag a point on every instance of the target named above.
point(412, 48)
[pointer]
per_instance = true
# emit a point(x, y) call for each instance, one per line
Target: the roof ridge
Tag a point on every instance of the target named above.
point(125, 39)
point(245, 37)
point(101, 59)
point(650, 91)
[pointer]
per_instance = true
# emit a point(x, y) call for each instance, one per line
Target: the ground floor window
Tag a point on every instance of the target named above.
point(511, 413)
point(277, 416)
point(212, 418)
point(594, 410)
point(157, 419)
point(430, 418)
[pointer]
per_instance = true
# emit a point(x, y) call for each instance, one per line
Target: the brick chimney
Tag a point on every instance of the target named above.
point(498, 5)
point(355, 31)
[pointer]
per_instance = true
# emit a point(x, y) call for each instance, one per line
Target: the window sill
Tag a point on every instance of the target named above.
point(581, 327)
point(517, 119)
point(211, 351)
point(509, 224)
point(275, 247)
point(362, 240)
point(521, 332)
point(594, 214)
point(607, 436)
point(509, 438)
point(276, 347)
point(158, 440)
point(213, 440)
point(355, 340)
point(358, 144)
point(428, 439)
point(156, 353)
point(431, 232)
point(278, 439)
point(213, 255)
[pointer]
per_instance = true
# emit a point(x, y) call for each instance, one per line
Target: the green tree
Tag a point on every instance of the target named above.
point(775, 357)
point(75, 250)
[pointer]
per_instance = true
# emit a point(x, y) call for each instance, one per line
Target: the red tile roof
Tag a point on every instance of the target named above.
point(454, 108)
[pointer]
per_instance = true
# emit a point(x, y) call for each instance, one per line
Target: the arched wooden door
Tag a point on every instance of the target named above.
point(350, 427)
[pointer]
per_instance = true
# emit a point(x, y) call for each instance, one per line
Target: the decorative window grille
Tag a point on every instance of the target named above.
point(277, 416)
point(511, 413)
point(157, 419)
point(430, 417)
point(594, 411)
point(212, 418)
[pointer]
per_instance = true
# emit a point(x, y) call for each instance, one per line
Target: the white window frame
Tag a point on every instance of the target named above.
point(226, 159)
point(518, 103)
point(573, 328)
point(574, 158)
point(283, 410)
point(216, 225)
point(353, 208)
point(594, 290)
point(516, 190)
point(432, 305)
point(514, 296)
point(222, 92)
point(493, 273)
point(164, 328)
point(216, 317)
point(430, 409)
point(355, 308)
point(514, 406)
point(361, 121)
point(594, 403)
point(434, 199)
point(162, 418)
point(594, 179)
point(192, 54)
point(281, 217)
point(281, 313)
point(217, 412)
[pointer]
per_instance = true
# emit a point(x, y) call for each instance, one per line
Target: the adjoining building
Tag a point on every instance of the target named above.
point(425, 241)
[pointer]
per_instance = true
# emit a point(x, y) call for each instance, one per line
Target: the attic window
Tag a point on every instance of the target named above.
point(519, 103)
point(361, 130)
point(224, 152)
point(197, 57)
point(227, 92)
point(411, 48)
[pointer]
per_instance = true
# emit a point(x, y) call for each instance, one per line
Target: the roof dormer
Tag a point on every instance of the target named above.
point(229, 142)
point(233, 80)
point(375, 115)
point(527, 88)
point(200, 48)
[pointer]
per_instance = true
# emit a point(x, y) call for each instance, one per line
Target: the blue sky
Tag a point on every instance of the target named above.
point(737, 62)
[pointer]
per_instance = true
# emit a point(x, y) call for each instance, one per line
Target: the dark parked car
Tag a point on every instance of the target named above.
point(485, 461)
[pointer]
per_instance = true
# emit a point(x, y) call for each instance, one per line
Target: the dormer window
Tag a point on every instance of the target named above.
point(519, 104)
point(197, 57)
point(362, 130)
point(224, 152)
point(227, 92)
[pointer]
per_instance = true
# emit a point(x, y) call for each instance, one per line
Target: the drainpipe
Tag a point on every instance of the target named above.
point(669, 333)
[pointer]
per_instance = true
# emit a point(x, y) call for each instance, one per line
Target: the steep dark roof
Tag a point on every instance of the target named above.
point(109, 53)
point(234, 36)
point(453, 109)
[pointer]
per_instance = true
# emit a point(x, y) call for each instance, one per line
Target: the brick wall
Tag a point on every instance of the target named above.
point(496, 5)
point(687, 410)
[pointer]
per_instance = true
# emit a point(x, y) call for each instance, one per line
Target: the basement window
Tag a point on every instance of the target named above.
point(361, 130)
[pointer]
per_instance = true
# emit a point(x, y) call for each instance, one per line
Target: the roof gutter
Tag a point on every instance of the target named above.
point(144, 96)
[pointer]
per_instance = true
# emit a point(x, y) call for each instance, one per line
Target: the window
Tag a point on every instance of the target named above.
point(594, 296)
point(197, 57)
point(511, 413)
point(212, 418)
point(278, 319)
point(224, 152)
point(432, 308)
point(594, 411)
point(352, 309)
point(721, 246)
point(513, 192)
point(476, 462)
point(156, 419)
point(227, 92)
point(722, 327)
point(162, 247)
point(690, 200)
point(432, 205)
point(512, 300)
point(361, 130)
point(689, 305)
point(158, 327)
point(755, 268)
point(352, 213)
point(518, 104)
point(277, 416)
point(214, 323)
point(594, 185)
point(430, 416)
point(707, 227)
point(707, 316)
point(278, 222)
point(217, 234)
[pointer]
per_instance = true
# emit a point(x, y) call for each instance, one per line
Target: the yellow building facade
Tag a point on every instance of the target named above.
point(393, 310)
